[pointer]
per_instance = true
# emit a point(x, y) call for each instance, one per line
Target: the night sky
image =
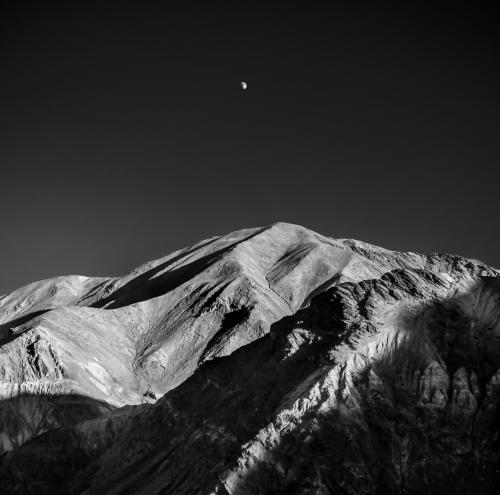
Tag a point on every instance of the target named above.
point(125, 133)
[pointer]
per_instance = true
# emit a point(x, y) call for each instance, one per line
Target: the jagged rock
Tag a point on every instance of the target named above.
point(129, 340)
point(293, 363)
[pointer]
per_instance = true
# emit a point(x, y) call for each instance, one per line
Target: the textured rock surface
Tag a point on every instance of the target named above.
point(128, 340)
point(341, 368)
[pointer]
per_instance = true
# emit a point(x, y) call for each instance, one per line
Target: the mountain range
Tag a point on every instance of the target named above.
point(269, 360)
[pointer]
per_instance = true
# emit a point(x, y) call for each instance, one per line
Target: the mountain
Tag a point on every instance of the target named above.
point(269, 360)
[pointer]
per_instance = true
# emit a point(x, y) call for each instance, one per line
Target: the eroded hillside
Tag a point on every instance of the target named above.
point(286, 362)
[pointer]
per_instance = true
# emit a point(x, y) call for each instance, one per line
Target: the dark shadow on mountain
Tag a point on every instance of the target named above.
point(393, 444)
point(228, 323)
point(377, 439)
point(26, 416)
point(150, 285)
point(166, 264)
point(6, 329)
point(153, 283)
point(328, 284)
point(398, 442)
point(224, 405)
point(67, 461)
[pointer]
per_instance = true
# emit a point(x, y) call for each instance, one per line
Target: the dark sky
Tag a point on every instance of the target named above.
point(125, 133)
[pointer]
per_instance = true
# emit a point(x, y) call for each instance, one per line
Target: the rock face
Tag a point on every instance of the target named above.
point(283, 362)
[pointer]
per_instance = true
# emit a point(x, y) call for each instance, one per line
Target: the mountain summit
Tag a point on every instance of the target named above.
point(269, 360)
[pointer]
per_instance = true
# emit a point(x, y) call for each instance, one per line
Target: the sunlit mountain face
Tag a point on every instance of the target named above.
point(267, 360)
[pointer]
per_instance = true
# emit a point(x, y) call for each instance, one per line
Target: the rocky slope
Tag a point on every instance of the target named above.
point(286, 362)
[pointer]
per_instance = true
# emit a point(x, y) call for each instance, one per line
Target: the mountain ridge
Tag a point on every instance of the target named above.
point(289, 304)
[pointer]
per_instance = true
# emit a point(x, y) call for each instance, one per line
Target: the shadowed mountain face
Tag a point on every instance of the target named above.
point(270, 360)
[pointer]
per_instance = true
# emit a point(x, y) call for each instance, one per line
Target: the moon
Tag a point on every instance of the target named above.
point(244, 85)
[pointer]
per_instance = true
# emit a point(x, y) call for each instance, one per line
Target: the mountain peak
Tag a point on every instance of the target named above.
point(252, 343)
